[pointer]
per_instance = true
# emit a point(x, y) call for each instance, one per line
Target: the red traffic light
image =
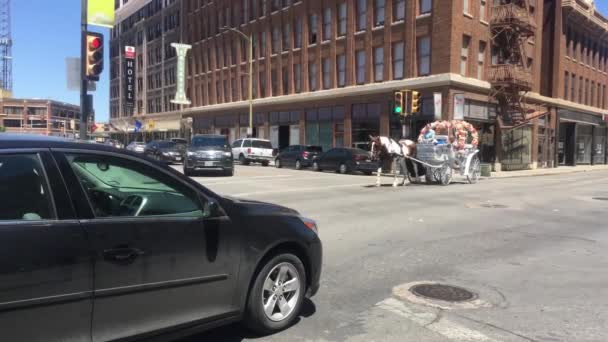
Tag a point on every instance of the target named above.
point(95, 43)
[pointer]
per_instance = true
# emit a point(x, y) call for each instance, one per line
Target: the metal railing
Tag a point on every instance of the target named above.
point(511, 14)
point(511, 73)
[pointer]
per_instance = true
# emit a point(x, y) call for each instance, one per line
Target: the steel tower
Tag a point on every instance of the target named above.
point(6, 43)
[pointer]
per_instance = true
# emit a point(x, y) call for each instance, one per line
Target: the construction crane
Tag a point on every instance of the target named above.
point(6, 43)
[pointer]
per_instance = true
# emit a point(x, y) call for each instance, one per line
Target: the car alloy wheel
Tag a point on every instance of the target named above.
point(315, 166)
point(298, 165)
point(276, 295)
point(343, 169)
point(277, 163)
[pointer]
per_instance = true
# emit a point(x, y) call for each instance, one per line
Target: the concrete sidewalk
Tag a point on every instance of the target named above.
point(547, 172)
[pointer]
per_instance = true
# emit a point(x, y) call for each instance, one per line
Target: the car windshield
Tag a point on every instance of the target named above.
point(209, 141)
point(167, 144)
point(261, 144)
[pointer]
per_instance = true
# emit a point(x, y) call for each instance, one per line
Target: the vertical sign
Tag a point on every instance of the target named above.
point(129, 76)
point(180, 93)
point(459, 107)
point(438, 101)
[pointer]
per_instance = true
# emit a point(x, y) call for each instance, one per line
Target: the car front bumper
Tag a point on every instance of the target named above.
point(193, 163)
point(171, 158)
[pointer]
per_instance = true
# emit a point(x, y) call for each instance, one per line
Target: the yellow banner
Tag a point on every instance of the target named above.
point(101, 13)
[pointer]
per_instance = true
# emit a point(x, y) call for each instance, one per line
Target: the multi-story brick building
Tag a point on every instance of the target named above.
point(150, 26)
point(37, 116)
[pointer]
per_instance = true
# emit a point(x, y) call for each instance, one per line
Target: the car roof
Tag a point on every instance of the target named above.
point(24, 141)
point(255, 139)
point(209, 135)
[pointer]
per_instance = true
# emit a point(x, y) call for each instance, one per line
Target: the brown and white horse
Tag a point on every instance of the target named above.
point(387, 151)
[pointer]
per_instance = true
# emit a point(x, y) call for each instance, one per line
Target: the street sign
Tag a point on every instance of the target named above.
point(101, 13)
point(138, 125)
point(458, 106)
point(180, 94)
point(129, 76)
point(438, 104)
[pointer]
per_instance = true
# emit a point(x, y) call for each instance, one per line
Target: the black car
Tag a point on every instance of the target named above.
point(165, 151)
point(345, 160)
point(298, 156)
point(102, 244)
point(209, 152)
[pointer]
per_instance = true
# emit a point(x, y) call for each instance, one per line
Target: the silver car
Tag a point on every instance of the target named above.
point(136, 146)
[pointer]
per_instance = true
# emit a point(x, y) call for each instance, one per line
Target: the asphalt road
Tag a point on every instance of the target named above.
point(532, 249)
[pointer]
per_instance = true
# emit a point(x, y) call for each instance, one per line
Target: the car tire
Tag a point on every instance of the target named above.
point(343, 169)
point(277, 163)
point(273, 320)
point(315, 166)
point(265, 163)
point(243, 160)
point(229, 173)
point(298, 165)
point(367, 173)
point(187, 172)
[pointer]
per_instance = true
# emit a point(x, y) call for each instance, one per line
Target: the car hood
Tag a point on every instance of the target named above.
point(169, 150)
point(251, 207)
point(209, 148)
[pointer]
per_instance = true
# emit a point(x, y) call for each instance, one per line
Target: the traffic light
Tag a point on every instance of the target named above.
point(94, 57)
point(415, 108)
point(399, 103)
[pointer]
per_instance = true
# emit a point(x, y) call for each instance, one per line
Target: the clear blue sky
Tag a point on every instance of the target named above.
point(45, 32)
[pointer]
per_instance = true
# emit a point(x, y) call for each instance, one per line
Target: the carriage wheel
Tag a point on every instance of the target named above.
point(443, 174)
point(428, 175)
point(474, 171)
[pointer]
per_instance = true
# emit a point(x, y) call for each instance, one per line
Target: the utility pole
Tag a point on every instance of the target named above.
point(84, 110)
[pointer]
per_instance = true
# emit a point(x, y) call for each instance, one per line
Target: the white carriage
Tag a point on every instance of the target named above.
point(443, 160)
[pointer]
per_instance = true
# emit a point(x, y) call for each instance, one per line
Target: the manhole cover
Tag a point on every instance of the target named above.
point(600, 198)
point(446, 293)
point(493, 206)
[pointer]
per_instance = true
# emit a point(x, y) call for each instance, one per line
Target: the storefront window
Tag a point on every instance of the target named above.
point(516, 145)
point(584, 138)
point(365, 122)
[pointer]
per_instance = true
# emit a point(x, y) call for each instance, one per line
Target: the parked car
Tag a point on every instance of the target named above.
point(209, 152)
point(253, 150)
point(137, 146)
point(345, 160)
point(102, 244)
point(114, 143)
point(164, 151)
point(180, 141)
point(298, 156)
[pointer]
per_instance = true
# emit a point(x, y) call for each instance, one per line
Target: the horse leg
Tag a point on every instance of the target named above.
point(395, 176)
point(378, 176)
point(404, 170)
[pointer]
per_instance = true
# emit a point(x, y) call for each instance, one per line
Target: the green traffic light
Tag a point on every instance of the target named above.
point(398, 110)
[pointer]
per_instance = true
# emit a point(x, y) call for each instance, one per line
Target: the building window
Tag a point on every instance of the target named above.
point(569, 43)
point(262, 84)
point(566, 89)
point(312, 76)
point(425, 6)
point(465, 7)
point(581, 84)
point(573, 88)
point(604, 96)
point(599, 96)
point(464, 55)
point(592, 98)
point(586, 92)
point(263, 44)
point(398, 10)
point(481, 60)
point(297, 78)
point(379, 6)
point(360, 60)
point(286, 33)
point(285, 76)
point(482, 10)
point(275, 40)
point(327, 24)
point(341, 67)
point(424, 55)
point(398, 60)
point(274, 82)
point(379, 64)
point(342, 19)
point(312, 29)
point(244, 92)
point(361, 15)
point(298, 33)
point(326, 73)
point(226, 99)
point(276, 4)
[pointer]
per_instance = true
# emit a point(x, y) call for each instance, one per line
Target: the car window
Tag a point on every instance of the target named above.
point(247, 143)
point(119, 187)
point(167, 144)
point(317, 149)
point(261, 144)
point(237, 144)
point(24, 189)
point(205, 141)
point(331, 153)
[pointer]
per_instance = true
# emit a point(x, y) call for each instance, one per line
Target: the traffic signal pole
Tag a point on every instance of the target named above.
point(84, 110)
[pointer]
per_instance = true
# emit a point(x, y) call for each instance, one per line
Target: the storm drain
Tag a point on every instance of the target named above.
point(493, 206)
point(600, 198)
point(443, 292)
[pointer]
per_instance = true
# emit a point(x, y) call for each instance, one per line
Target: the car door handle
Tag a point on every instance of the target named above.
point(122, 255)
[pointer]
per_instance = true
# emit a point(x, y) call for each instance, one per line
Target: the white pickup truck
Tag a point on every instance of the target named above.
point(252, 150)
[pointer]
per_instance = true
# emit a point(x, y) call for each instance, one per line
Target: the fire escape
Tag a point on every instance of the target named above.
point(511, 27)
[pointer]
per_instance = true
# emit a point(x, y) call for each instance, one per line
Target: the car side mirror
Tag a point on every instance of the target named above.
point(210, 209)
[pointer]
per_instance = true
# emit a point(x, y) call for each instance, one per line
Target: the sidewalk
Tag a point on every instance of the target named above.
point(547, 172)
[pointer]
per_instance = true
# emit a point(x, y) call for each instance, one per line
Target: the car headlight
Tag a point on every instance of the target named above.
point(227, 154)
point(166, 153)
point(190, 154)
point(311, 224)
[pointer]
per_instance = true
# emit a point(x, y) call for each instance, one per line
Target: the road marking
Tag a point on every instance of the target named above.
point(434, 322)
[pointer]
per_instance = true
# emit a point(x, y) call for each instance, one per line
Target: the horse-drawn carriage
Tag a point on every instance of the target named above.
point(442, 160)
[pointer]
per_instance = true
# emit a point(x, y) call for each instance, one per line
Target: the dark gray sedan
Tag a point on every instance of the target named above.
point(209, 153)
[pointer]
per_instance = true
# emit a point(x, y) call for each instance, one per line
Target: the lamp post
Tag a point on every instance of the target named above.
point(249, 39)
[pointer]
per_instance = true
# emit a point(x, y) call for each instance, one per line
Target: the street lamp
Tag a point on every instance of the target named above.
point(249, 39)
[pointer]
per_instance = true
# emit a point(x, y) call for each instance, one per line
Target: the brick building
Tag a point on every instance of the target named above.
point(324, 72)
point(37, 116)
point(150, 26)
